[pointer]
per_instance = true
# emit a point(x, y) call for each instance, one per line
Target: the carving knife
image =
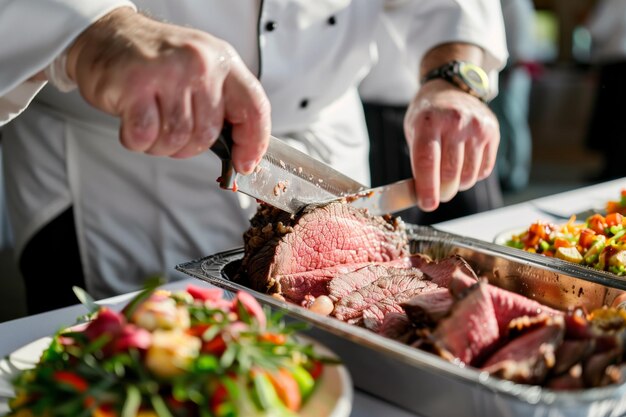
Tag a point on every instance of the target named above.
point(285, 178)
point(386, 199)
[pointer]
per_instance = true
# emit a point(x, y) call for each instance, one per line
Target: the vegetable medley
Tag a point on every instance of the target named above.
point(618, 206)
point(188, 353)
point(600, 242)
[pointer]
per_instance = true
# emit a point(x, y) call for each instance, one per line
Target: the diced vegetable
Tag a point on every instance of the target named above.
point(597, 243)
point(569, 254)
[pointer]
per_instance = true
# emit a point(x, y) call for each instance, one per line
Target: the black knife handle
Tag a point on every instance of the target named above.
point(223, 147)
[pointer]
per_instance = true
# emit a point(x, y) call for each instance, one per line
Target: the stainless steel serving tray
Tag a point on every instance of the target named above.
point(428, 385)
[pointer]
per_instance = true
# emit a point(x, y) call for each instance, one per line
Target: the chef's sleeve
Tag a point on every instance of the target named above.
point(40, 32)
point(478, 22)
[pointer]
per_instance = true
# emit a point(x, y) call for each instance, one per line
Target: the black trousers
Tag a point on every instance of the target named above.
point(50, 265)
point(606, 132)
point(390, 161)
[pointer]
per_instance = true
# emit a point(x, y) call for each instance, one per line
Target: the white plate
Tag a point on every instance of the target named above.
point(506, 235)
point(332, 397)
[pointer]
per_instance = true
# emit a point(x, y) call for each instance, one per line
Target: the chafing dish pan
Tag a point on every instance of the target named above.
point(428, 385)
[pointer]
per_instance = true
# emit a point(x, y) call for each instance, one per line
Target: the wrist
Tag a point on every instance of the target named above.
point(101, 29)
point(466, 76)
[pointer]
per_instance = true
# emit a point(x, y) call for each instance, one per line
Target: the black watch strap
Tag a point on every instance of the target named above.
point(468, 77)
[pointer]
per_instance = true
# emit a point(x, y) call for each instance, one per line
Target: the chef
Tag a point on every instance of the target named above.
point(119, 80)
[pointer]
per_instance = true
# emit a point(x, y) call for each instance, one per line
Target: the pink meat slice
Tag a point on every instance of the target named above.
point(528, 358)
point(344, 284)
point(278, 245)
point(509, 305)
point(441, 272)
point(337, 234)
point(396, 326)
point(471, 330)
point(374, 315)
point(396, 287)
point(428, 308)
point(295, 286)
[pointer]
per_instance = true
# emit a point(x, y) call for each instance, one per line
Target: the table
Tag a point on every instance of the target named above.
point(485, 226)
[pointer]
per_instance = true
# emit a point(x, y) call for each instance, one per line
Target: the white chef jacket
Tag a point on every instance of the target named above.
point(519, 23)
point(394, 78)
point(137, 215)
point(607, 26)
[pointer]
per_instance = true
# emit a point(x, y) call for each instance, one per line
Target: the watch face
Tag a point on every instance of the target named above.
point(475, 78)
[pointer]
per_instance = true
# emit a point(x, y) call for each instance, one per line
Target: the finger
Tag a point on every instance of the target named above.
point(425, 159)
point(176, 121)
point(247, 109)
point(140, 124)
point(488, 158)
point(471, 165)
point(208, 118)
point(452, 151)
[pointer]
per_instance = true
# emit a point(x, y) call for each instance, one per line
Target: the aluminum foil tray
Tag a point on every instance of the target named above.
point(422, 382)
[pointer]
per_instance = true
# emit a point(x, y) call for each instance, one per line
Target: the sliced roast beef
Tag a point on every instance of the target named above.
point(426, 309)
point(279, 245)
point(570, 353)
point(509, 305)
point(397, 326)
point(572, 380)
point(471, 330)
point(440, 272)
point(528, 358)
point(374, 315)
point(295, 287)
point(399, 287)
point(595, 367)
point(344, 284)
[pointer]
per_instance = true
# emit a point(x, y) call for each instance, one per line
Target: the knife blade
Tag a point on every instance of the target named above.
point(285, 178)
point(386, 199)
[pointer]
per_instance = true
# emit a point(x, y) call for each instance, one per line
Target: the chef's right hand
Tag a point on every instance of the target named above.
point(172, 87)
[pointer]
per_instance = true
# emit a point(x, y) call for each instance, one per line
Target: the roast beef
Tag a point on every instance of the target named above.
point(374, 315)
point(344, 284)
point(528, 358)
point(570, 381)
point(399, 287)
point(440, 272)
point(426, 309)
point(359, 265)
point(471, 330)
point(509, 305)
point(280, 245)
point(397, 326)
point(295, 287)
point(570, 353)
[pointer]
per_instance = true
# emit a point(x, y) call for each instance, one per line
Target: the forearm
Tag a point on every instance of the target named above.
point(44, 29)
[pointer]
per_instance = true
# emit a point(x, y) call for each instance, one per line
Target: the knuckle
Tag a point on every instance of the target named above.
point(449, 165)
point(427, 116)
point(425, 160)
point(225, 55)
point(261, 105)
point(207, 133)
point(455, 116)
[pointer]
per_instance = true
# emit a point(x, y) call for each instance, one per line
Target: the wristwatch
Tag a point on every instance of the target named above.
point(468, 77)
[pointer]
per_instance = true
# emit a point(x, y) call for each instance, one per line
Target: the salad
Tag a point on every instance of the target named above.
point(187, 353)
point(600, 242)
point(617, 206)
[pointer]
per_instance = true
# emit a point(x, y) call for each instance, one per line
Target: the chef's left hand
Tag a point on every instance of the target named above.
point(453, 139)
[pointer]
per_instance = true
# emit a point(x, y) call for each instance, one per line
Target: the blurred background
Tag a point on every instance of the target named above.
point(561, 101)
point(554, 91)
